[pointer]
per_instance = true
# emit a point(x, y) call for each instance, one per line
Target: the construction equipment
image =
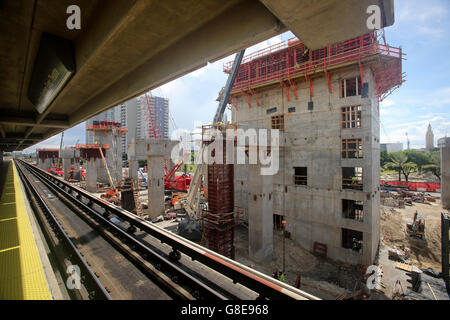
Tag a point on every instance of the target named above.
point(142, 175)
point(113, 193)
point(417, 227)
point(190, 226)
point(59, 164)
point(137, 200)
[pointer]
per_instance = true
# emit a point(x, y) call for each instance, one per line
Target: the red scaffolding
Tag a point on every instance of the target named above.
point(288, 62)
point(218, 223)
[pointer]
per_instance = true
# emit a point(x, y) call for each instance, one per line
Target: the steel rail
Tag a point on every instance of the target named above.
point(265, 286)
point(87, 277)
point(178, 277)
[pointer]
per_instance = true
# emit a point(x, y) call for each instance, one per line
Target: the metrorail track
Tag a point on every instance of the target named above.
point(93, 289)
point(166, 275)
point(165, 271)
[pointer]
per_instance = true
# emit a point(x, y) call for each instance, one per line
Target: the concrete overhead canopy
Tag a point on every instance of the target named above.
point(140, 149)
point(126, 47)
point(319, 23)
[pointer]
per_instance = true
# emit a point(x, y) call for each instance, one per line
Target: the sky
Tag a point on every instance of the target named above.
point(422, 31)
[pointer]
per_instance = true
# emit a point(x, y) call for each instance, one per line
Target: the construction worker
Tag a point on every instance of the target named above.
point(354, 244)
point(305, 56)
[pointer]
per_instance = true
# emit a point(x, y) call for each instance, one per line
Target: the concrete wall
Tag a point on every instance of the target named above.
point(313, 140)
point(113, 156)
point(444, 144)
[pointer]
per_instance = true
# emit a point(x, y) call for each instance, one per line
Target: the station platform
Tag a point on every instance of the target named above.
point(22, 275)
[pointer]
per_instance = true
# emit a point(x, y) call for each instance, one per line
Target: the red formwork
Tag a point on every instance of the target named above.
point(88, 151)
point(220, 188)
point(218, 222)
point(219, 232)
point(286, 62)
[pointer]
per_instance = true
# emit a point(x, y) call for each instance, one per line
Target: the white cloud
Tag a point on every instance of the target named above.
point(387, 103)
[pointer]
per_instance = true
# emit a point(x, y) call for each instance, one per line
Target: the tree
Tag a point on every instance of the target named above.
point(418, 157)
point(399, 161)
point(435, 164)
point(384, 158)
point(408, 168)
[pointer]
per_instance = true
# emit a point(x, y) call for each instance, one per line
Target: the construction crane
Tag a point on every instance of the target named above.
point(192, 202)
point(407, 141)
point(60, 149)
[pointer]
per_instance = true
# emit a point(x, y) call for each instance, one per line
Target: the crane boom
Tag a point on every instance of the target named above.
point(193, 197)
point(228, 86)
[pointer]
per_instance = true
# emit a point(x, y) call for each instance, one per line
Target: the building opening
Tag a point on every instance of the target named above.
point(277, 222)
point(301, 176)
point(351, 117)
point(352, 209)
point(352, 148)
point(352, 239)
point(352, 178)
point(277, 122)
point(351, 87)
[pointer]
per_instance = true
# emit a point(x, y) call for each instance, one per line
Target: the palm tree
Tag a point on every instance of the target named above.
point(435, 165)
point(399, 162)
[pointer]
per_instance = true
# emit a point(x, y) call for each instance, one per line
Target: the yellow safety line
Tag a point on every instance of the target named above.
point(21, 273)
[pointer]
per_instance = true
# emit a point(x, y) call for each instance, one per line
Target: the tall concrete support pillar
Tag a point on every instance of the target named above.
point(91, 174)
point(133, 170)
point(67, 164)
point(46, 163)
point(444, 144)
point(155, 177)
point(260, 214)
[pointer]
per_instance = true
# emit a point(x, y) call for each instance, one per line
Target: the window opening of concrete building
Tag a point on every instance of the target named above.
point(352, 239)
point(277, 122)
point(351, 117)
point(301, 176)
point(352, 209)
point(352, 178)
point(352, 148)
point(277, 222)
point(351, 87)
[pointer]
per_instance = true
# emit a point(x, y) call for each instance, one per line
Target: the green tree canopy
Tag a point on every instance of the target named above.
point(418, 157)
point(434, 165)
point(399, 161)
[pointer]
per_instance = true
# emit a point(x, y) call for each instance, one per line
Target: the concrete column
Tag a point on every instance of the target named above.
point(66, 167)
point(46, 163)
point(260, 214)
point(155, 185)
point(444, 144)
point(133, 170)
point(91, 175)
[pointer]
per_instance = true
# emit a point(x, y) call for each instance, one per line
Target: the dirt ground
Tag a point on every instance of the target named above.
point(423, 254)
point(323, 278)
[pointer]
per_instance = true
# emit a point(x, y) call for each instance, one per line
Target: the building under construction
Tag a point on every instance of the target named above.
point(326, 105)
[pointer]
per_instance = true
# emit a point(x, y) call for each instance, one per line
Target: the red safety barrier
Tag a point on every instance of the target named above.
point(415, 186)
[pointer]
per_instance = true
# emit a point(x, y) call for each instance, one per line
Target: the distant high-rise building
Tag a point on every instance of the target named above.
point(133, 114)
point(429, 139)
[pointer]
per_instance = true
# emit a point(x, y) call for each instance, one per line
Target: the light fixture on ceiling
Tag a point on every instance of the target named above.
point(53, 67)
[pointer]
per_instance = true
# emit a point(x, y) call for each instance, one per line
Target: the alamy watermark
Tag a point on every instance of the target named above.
point(74, 279)
point(228, 145)
point(374, 280)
